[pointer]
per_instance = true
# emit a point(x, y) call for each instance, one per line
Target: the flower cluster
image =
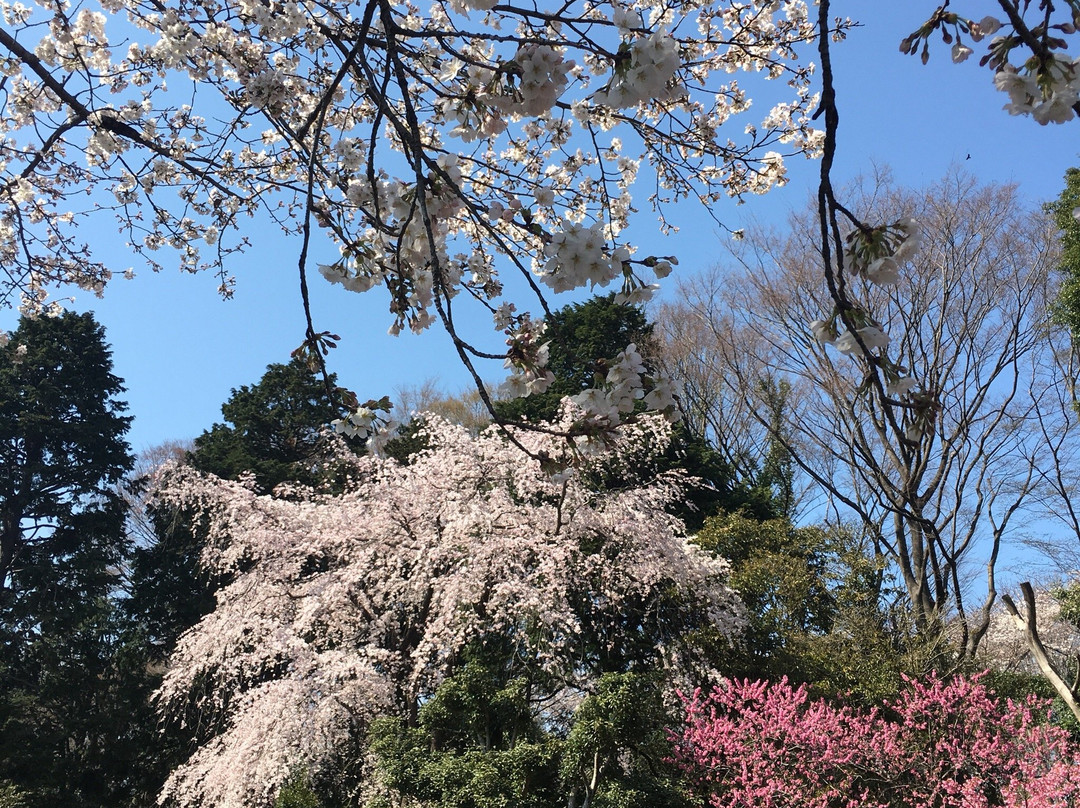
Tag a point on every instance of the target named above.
point(1043, 83)
point(875, 254)
point(626, 383)
point(541, 73)
point(371, 422)
point(439, 150)
point(577, 256)
point(526, 356)
point(1046, 91)
point(645, 71)
point(952, 744)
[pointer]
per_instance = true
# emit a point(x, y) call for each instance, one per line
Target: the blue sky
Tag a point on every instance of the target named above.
point(181, 349)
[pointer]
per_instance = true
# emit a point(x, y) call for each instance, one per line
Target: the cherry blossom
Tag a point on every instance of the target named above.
point(341, 608)
point(425, 150)
point(1027, 54)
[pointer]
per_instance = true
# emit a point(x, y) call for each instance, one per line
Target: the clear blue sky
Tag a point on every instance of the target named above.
point(181, 349)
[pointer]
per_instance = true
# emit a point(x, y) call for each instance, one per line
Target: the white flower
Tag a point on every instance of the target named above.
point(625, 18)
point(823, 331)
point(846, 343)
point(660, 398)
point(988, 25)
point(900, 387)
point(1022, 90)
point(1058, 108)
point(914, 430)
point(377, 442)
point(960, 52)
point(906, 250)
point(884, 271)
point(873, 337)
point(504, 316)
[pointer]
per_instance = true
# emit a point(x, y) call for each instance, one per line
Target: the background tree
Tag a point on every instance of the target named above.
point(940, 443)
point(784, 576)
point(1063, 210)
point(63, 448)
point(74, 719)
point(273, 429)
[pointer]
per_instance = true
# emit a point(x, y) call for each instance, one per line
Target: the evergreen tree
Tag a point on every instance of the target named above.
point(62, 447)
point(272, 429)
point(72, 695)
point(1062, 209)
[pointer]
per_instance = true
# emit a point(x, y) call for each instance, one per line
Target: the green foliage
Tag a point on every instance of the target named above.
point(1019, 686)
point(615, 753)
point(777, 468)
point(875, 640)
point(577, 335)
point(483, 741)
point(298, 793)
point(74, 719)
point(1068, 596)
point(820, 609)
point(784, 575)
point(272, 429)
point(11, 796)
point(1067, 307)
point(475, 744)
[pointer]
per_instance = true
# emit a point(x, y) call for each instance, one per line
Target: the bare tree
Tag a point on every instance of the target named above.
point(943, 443)
point(465, 407)
point(133, 488)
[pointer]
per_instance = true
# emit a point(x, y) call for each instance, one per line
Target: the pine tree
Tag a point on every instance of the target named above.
point(70, 691)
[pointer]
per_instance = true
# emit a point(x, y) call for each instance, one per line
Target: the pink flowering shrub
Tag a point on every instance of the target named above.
point(940, 745)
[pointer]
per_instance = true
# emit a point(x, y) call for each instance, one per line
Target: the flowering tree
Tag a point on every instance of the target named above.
point(1023, 45)
point(345, 608)
point(929, 404)
point(951, 745)
point(434, 147)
